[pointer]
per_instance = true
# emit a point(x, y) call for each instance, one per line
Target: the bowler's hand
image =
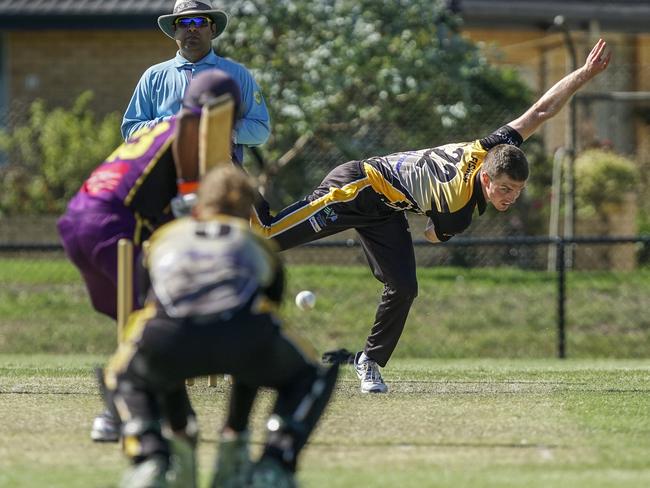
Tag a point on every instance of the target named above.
point(598, 59)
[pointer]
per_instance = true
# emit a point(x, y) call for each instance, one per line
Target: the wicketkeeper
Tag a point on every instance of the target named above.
point(129, 196)
point(215, 290)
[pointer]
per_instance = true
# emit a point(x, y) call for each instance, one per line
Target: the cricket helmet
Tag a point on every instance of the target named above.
point(208, 85)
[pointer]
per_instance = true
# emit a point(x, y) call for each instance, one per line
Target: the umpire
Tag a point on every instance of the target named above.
point(215, 290)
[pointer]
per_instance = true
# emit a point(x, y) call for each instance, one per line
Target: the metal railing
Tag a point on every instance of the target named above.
point(567, 285)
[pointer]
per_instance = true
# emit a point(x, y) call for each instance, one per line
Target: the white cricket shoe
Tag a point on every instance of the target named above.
point(368, 372)
point(106, 428)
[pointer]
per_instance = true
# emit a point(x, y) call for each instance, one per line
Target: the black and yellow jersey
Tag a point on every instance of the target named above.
point(204, 267)
point(441, 182)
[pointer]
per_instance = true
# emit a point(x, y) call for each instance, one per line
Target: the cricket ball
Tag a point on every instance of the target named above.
point(305, 300)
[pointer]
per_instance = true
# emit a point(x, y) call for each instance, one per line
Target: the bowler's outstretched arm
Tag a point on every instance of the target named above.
point(557, 96)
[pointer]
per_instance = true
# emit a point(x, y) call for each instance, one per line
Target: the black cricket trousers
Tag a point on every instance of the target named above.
point(346, 199)
point(251, 347)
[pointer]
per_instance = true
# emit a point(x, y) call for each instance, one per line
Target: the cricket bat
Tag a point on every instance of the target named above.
point(215, 148)
point(124, 285)
point(215, 133)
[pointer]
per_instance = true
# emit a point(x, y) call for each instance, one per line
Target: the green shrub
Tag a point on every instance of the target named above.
point(51, 155)
point(603, 178)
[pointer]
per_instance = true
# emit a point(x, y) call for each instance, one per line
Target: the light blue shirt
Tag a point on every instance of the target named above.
point(159, 93)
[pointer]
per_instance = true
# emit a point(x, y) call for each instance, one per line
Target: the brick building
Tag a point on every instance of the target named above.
point(56, 49)
point(615, 110)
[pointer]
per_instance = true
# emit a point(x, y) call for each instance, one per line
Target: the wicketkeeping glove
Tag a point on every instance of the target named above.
point(182, 205)
point(338, 356)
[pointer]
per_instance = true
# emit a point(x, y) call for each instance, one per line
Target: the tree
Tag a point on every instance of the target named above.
point(343, 79)
point(604, 181)
point(51, 154)
point(346, 79)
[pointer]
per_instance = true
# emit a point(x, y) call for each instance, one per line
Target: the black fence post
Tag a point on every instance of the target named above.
point(561, 299)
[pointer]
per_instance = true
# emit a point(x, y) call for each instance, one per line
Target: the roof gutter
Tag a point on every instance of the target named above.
point(632, 17)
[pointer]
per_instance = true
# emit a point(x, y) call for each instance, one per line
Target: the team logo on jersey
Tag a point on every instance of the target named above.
point(471, 166)
point(330, 215)
point(314, 224)
point(106, 178)
point(322, 219)
point(258, 97)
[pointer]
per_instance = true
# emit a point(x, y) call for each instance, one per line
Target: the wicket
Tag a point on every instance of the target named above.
point(124, 285)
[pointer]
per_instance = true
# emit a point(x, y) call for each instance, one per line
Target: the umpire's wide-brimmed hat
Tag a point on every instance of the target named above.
point(183, 8)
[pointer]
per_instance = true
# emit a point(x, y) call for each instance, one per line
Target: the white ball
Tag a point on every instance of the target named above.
point(305, 300)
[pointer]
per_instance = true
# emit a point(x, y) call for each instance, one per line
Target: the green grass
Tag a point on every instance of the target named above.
point(446, 423)
point(460, 312)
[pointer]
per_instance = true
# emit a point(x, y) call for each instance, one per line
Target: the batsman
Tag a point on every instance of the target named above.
point(215, 290)
point(131, 193)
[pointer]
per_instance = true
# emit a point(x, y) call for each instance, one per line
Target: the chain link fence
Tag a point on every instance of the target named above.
point(485, 293)
point(478, 297)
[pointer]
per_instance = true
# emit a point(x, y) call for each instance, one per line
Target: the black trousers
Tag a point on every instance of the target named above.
point(249, 347)
point(346, 199)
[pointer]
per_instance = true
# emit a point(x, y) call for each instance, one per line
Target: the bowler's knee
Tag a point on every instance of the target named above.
point(404, 288)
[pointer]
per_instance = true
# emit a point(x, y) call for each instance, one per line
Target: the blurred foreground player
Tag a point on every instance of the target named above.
point(215, 290)
point(129, 196)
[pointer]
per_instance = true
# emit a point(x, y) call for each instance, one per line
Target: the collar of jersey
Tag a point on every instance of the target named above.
point(210, 58)
point(478, 193)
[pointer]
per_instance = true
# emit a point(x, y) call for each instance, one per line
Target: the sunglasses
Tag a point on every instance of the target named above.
point(188, 21)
